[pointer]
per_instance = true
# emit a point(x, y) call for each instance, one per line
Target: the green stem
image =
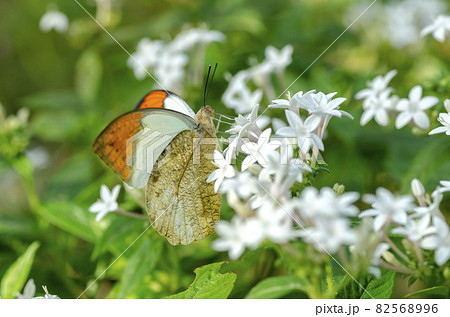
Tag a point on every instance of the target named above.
point(396, 249)
point(329, 274)
point(130, 214)
point(394, 268)
point(418, 251)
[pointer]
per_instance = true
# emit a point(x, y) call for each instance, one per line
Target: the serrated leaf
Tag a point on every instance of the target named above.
point(208, 283)
point(380, 288)
point(17, 274)
point(437, 290)
point(276, 287)
point(140, 264)
point(70, 218)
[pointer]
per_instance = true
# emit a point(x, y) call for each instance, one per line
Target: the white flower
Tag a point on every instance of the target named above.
point(444, 119)
point(303, 131)
point(230, 237)
point(320, 105)
point(415, 230)
point(284, 166)
point(386, 208)
point(377, 107)
point(432, 212)
point(170, 69)
point(440, 242)
point(107, 202)
point(292, 104)
point(276, 222)
point(268, 191)
point(379, 250)
point(400, 23)
point(329, 234)
point(224, 170)
point(147, 55)
point(256, 152)
point(413, 109)
point(38, 157)
point(440, 28)
point(54, 20)
point(238, 96)
point(313, 203)
point(47, 295)
point(445, 186)
point(417, 188)
point(246, 126)
point(243, 184)
point(377, 86)
point(238, 234)
point(186, 40)
point(279, 59)
point(28, 291)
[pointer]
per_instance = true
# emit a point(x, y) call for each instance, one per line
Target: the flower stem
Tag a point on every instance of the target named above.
point(130, 214)
point(394, 268)
point(419, 253)
point(396, 249)
point(329, 274)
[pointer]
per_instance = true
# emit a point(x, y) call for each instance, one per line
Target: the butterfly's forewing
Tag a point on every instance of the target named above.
point(182, 206)
point(166, 100)
point(131, 144)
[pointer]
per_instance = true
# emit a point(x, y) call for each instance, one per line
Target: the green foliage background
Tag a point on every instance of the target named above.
point(75, 83)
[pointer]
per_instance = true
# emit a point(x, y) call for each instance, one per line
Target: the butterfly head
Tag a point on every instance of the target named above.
point(205, 118)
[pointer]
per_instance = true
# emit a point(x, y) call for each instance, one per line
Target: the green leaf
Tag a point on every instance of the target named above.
point(437, 290)
point(120, 233)
point(140, 264)
point(380, 288)
point(70, 218)
point(17, 274)
point(276, 287)
point(209, 283)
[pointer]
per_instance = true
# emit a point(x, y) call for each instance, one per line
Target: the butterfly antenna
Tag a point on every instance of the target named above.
point(210, 83)
point(206, 86)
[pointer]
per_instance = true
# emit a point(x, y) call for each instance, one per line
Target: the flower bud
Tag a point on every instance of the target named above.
point(447, 105)
point(417, 188)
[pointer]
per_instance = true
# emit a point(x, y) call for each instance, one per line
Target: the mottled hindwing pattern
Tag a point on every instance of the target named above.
point(181, 205)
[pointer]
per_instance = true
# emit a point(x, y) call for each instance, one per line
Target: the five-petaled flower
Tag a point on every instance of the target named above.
point(386, 208)
point(413, 109)
point(224, 170)
point(440, 28)
point(107, 202)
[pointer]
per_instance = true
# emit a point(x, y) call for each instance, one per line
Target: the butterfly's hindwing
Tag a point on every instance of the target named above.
point(182, 206)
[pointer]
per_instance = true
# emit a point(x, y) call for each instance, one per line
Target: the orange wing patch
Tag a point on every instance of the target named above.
point(111, 144)
point(155, 99)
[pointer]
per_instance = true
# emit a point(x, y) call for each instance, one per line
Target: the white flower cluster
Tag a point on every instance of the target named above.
point(238, 95)
point(423, 224)
point(378, 103)
point(274, 164)
point(167, 61)
point(260, 192)
point(444, 119)
point(399, 22)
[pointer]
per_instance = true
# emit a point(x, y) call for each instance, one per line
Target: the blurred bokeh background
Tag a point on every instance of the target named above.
point(74, 82)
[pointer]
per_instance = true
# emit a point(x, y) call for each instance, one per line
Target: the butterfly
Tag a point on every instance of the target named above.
point(165, 147)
